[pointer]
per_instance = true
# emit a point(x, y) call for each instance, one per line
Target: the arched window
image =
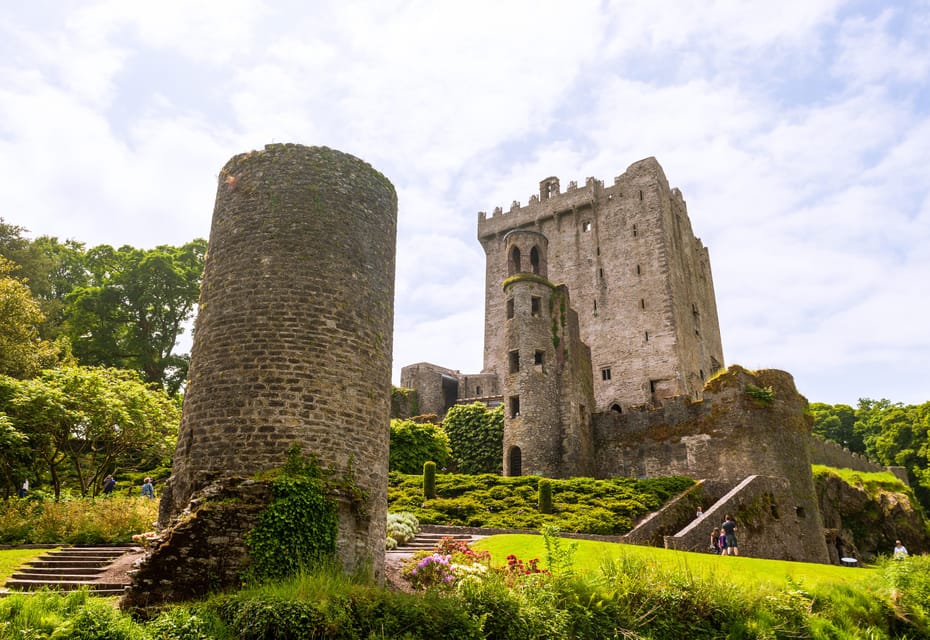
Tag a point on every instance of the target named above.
point(616, 408)
point(513, 265)
point(516, 462)
point(534, 260)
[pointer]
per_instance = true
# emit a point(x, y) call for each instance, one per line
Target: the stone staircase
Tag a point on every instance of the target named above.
point(73, 568)
point(429, 540)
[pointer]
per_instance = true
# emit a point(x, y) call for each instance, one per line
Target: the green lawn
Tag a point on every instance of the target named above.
point(12, 559)
point(742, 570)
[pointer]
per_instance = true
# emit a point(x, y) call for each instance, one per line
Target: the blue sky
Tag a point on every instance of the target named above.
point(798, 132)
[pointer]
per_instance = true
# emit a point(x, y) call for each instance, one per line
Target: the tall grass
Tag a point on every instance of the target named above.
point(75, 521)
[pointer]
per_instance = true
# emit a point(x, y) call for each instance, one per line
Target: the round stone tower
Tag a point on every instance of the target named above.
point(293, 339)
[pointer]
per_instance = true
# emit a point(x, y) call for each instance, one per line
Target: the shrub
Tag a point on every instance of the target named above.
point(476, 435)
point(401, 528)
point(41, 520)
point(429, 479)
point(414, 443)
point(545, 496)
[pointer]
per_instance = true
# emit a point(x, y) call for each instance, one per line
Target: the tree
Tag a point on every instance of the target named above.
point(82, 422)
point(413, 443)
point(133, 310)
point(14, 456)
point(22, 352)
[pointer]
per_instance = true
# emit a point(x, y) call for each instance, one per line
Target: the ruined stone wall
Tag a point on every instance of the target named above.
point(427, 379)
point(832, 454)
point(293, 339)
point(727, 436)
point(640, 281)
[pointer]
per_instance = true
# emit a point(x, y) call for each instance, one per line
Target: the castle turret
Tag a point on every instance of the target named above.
point(547, 382)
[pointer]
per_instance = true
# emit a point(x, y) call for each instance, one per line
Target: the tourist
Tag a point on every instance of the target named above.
point(715, 541)
point(729, 530)
point(109, 484)
point(722, 542)
point(148, 490)
point(699, 512)
point(900, 553)
point(24, 489)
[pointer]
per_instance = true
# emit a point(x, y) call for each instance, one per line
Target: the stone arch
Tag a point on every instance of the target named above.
point(513, 264)
point(616, 407)
point(534, 259)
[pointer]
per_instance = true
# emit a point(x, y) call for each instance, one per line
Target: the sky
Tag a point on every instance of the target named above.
point(798, 132)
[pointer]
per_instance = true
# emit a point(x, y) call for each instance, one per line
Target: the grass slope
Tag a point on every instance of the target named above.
point(590, 555)
point(13, 559)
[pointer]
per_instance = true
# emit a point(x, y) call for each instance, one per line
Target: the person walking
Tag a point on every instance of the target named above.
point(715, 541)
point(109, 484)
point(729, 530)
point(148, 491)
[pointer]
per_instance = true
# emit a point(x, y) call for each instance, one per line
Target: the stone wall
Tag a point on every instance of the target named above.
point(832, 454)
point(727, 436)
point(640, 281)
point(293, 339)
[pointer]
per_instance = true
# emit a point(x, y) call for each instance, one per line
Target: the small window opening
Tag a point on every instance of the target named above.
point(514, 406)
point(478, 391)
point(513, 266)
point(509, 308)
point(634, 230)
point(586, 226)
point(639, 270)
point(697, 332)
point(538, 360)
point(514, 358)
point(642, 304)
point(516, 462)
point(595, 305)
point(640, 194)
point(652, 386)
point(535, 306)
point(601, 273)
point(702, 374)
point(799, 512)
point(616, 408)
point(534, 260)
point(605, 373)
point(647, 336)
point(598, 251)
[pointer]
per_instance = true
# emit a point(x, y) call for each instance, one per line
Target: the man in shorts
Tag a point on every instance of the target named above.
point(729, 530)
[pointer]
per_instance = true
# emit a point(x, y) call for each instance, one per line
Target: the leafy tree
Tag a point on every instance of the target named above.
point(14, 456)
point(82, 422)
point(133, 309)
point(837, 423)
point(414, 443)
point(476, 434)
point(22, 352)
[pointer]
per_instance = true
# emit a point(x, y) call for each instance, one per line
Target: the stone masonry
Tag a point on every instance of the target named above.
point(293, 339)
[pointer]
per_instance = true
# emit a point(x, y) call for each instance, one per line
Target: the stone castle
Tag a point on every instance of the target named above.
point(602, 343)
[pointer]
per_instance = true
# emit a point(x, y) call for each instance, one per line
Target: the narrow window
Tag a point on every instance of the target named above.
point(516, 463)
point(514, 358)
point(509, 308)
point(586, 226)
point(697, 333)
point(601, 273)
point(647, 336)
point(539, 358)
point(605, 373)
point(652, 386)
point(535, 306)
point(478, 391)
point(534, 260)
point(634, 230)
point(702, 374)
point(642, 304)
point(513, 266)
point(640, 194)
point(639, 271)
point(598, 251)
point(514, 406)
point(595, 306)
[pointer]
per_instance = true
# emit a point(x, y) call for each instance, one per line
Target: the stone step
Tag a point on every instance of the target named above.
point(60, 571)
point(68, 564)
point(65, 585)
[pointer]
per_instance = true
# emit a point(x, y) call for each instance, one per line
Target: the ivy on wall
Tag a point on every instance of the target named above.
point(476, 434)
point(413, 443)
point(298, 530)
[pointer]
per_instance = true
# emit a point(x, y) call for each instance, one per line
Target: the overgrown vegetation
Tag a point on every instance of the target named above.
point(582, 505)
point(413, 443)
point(889, 433)
point(39, 520)
point(550, 590)
point(476, 435)
point(298, 530)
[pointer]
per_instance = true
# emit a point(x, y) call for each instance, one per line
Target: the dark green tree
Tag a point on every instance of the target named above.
point(132, 312)
point(413, 443)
